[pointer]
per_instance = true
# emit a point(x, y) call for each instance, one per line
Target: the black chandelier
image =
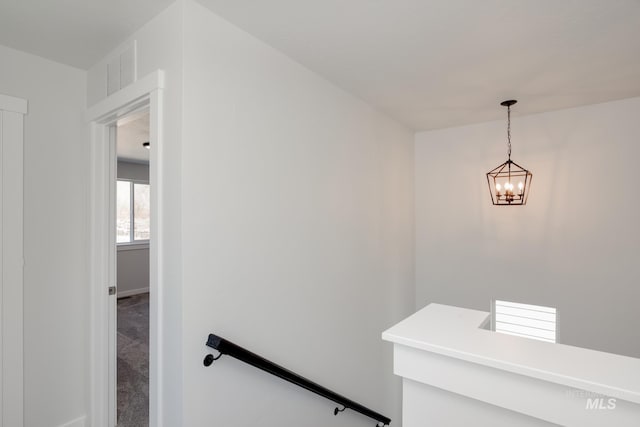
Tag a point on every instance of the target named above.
point(502, 178)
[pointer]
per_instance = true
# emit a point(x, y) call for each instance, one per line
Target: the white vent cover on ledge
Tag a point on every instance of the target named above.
point(525, 320)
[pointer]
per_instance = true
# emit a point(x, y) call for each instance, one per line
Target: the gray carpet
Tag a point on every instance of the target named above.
point(133, 361)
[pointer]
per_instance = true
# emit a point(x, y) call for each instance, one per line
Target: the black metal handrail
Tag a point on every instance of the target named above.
point(233, 350)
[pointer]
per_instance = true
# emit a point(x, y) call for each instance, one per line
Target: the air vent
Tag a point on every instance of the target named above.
point(525, 320)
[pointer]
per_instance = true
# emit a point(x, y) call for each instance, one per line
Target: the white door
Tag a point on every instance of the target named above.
point(12, 112)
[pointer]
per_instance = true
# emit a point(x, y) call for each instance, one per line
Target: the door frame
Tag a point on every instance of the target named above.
point(12, 111)
point(143, 93)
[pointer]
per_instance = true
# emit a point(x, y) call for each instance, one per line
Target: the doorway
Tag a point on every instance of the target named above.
point(133, 237)
point(144, 93)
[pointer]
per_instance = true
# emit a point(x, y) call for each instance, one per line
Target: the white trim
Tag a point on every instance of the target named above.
point(131, 117)
point(111, 278)
point(125, 100)
point(12, 112)
point(138, 245)
point(98, 359)
point(13, 104)
point(135, 181)
point(156, 251)
point(131, 292)
point(78, 422)
point(144, 92)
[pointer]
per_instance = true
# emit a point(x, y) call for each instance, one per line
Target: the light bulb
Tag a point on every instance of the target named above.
point(520, 185)
point(498, 187)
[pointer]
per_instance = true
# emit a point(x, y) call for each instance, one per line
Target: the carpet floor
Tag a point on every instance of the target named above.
point(133, 361)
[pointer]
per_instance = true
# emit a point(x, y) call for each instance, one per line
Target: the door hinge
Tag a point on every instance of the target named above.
point(112, 290)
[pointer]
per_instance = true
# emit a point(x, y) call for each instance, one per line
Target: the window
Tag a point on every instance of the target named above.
point(132, 212)
point(525, 320)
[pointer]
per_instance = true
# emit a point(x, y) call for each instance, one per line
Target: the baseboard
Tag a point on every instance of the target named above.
point(122, 294)
point(78, 422)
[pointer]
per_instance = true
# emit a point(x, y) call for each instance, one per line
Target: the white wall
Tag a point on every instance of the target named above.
point(574, 245)
point(56, 212)
point(298, 233)
point(133, 171)
point(295, 206)
point(133, 270)
point(430, 406)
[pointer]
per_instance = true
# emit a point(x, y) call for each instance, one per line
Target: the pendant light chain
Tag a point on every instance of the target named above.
point(509, 130)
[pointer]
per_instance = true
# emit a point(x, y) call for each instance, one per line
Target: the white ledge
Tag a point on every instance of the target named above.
point(455, 332)
point(13, 104)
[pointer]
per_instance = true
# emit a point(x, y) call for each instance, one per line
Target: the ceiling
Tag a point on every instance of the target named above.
point(441, 63)
point(133, 130)
point(428, 63)
point(75, 32)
